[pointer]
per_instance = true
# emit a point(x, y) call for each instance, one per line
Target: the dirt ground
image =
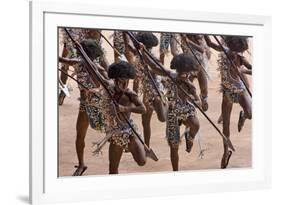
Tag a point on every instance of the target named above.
point(209, 139)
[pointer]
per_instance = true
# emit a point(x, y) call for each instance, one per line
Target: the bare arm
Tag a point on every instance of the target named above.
point(211, 44)
point(246, 71)
point(246, 63)
point(129, 44)
point(104, 63)
point(154, 67)
point(138, 104)
point(192, 90)
point(137, 107)
point(194, 45)
point(102, 75)
point(68, 61)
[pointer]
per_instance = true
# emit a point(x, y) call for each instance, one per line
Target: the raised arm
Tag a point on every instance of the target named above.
point(153, 66)
point(192, 91)
point(193, 44)
point(212, 44)
point(138, 105)
point(101, 74)
point(246, 71)
point(129, 44)
point(104, 63)
point(246, 63)
point(68, 61)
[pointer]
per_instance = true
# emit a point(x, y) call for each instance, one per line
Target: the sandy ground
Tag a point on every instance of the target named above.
point(209, 139)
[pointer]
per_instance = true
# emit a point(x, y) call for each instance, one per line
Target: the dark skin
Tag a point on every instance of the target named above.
point(128, 53)
point(192, 122)
point(82, 122)
point(128, 102)
point(174, 50)
point(197, 43)
point(94, 34)
point(63, 77)
point(244, 99)
point(157, 105)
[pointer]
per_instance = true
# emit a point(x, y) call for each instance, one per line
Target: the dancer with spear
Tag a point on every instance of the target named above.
point(183, 99)
point(233, 86)
point(150, 85)
point(88, 114)
point(118, 101)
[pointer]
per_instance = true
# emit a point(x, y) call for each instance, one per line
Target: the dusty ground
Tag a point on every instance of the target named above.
point(210, 140)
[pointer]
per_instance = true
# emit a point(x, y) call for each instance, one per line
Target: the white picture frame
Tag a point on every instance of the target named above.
point(46, 187)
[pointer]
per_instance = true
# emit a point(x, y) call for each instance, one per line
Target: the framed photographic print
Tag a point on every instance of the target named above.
point(129, 102)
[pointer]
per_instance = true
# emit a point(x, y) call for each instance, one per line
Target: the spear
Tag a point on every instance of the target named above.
point(198, 61)
point(227, 140)
point(233, 65)
point(121, 56)
point(81, 84)
point(93, 72)
point(64, 88)
point(146, 69)
point(99, 145)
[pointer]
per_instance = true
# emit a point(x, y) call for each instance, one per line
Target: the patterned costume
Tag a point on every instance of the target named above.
point(89, 102)
point(119, 132)
point(202, 57)
point(166, 39)
point(118, 41)
point(178, 110)
point(231, 87)
point(146, 86)
point(77, 34)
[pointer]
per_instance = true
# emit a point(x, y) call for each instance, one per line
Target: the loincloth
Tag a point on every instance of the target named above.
point(231, 88)
point(121, 134)
point(118, 42)
point(91, 104)
point(177, 111)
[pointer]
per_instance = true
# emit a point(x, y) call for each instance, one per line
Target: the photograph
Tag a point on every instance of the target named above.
point(132, 101)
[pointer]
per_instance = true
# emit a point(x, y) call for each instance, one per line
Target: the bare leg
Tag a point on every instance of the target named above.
point(146, 117)
point(64, 67)
point(226, 114)
point(116, 59)
point(136, 85)
point(81, 129)
point(246, 104)
point(160, 109)
point(115, 153)
point(137, 150)
point(129, 55)
point(245, 79)
point(173, 45)
point(174, 155)
point(220, 117)
point(63, 76)
point(203, 83)
point(104, 62)
point(162, 57)
point(193, 123)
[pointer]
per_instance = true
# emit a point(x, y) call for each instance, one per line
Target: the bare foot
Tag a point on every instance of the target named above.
point(61, 97)
point(79, 170)
point(189, 142)
point(204, 103)
point(241, 121)
point(220, 120)
point(225, 159)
